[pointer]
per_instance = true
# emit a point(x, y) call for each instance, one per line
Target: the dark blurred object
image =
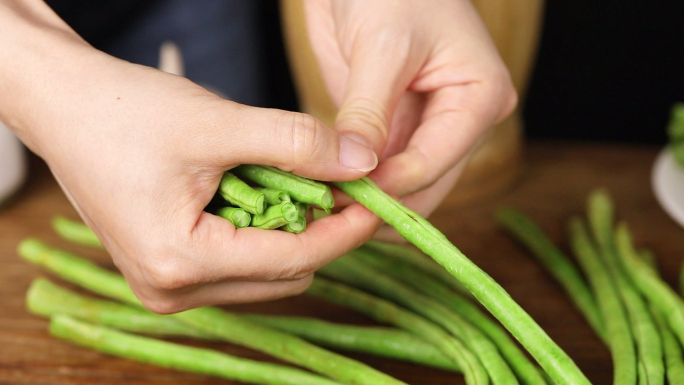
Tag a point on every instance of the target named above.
point(233, 47)
point(607, 70)
point(98, 22)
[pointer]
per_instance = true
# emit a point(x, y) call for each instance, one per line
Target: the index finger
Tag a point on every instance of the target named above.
point(455, 119)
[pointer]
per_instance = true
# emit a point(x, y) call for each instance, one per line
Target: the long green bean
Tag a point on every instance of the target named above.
point(674, 361)
point(649, 346)
point(659, 294)
point(276, 216)
point(675, 132)
point(387, 312)
point(418, 260)
point(649, 259)
point(47, 299)
point(240, 194)
point(75, 231)
point(175, 356)
point(356, 273)
point(302, 208)
point(213, 321)
point(237, 216)
point(300, 189)
point(526, 371)
point(295, 227)
point(421, 233)
point(555, 262)
point(379, 341)
point(273, 196)
point(618, 333)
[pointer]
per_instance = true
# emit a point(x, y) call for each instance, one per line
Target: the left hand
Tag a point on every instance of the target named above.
point(418, 81)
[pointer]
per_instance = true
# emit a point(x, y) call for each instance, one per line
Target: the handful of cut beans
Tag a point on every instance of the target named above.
point(281, 200)
point(428, 310)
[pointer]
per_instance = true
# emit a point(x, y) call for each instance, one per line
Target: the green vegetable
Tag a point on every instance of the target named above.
point(418, 260)
point(421, 233)
point(649, 346)
point(674, 361)
point(237, 216)
point(649, 259)
point(276, 216)
point(77, 270)
point(618, 334)
point(300, 189)
point(526, 371)
point(675, 131)
point(387, 312)
point(379, 341)
point(238, 193)
point(213, 321)
point(75, 231)
point(358, 274)
point(658, 293)
point(174, 356)
point(273, 196)
point(297, 226)
point(555, 262)
point(47, 299)
point(302, 208)
point(681, 280)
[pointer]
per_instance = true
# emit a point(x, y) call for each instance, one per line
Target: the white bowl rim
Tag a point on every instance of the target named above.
point(665, 188)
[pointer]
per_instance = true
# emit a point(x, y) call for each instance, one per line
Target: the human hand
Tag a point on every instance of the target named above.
point(420, 81)
point(140, 153)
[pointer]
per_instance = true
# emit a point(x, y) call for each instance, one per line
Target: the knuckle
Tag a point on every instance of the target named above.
point(297, 265)
point(162, 305)
point(166, 273)
point(503, 91)
point(299, 132)
point(420, 171)
point(510, 101)
point(296, 270)
point(157, 301)
point(394, 41)
point(365, 112)
point(301, 285)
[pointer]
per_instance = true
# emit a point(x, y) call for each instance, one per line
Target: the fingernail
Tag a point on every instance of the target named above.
point(356, 154)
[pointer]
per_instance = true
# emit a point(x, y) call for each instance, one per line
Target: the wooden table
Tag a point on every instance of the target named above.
point(553, 185)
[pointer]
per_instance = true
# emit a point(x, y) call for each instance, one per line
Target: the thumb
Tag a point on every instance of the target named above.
point(290, 141)
point(376, 81)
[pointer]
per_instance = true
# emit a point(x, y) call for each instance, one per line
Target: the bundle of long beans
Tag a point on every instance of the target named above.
point(637, 315)
point(441, 327)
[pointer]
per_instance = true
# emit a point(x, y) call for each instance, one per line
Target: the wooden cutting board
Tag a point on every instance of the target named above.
point(554, 183)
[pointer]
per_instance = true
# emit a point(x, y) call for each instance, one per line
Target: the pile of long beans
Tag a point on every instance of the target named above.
point(430, 307)
point(636, 314)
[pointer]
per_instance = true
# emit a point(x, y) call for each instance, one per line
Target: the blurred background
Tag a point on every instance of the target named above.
point(604, 70)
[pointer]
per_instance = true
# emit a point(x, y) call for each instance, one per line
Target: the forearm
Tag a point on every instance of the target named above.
point(40, 58)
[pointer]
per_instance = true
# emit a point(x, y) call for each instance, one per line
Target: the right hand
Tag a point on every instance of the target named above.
point(140, 153)
point(420, 81)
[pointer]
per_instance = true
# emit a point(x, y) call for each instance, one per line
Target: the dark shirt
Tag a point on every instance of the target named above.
point(606, 70)
point(233, 47)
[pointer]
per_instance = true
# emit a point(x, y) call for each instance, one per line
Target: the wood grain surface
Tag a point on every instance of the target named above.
point(552, 186)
